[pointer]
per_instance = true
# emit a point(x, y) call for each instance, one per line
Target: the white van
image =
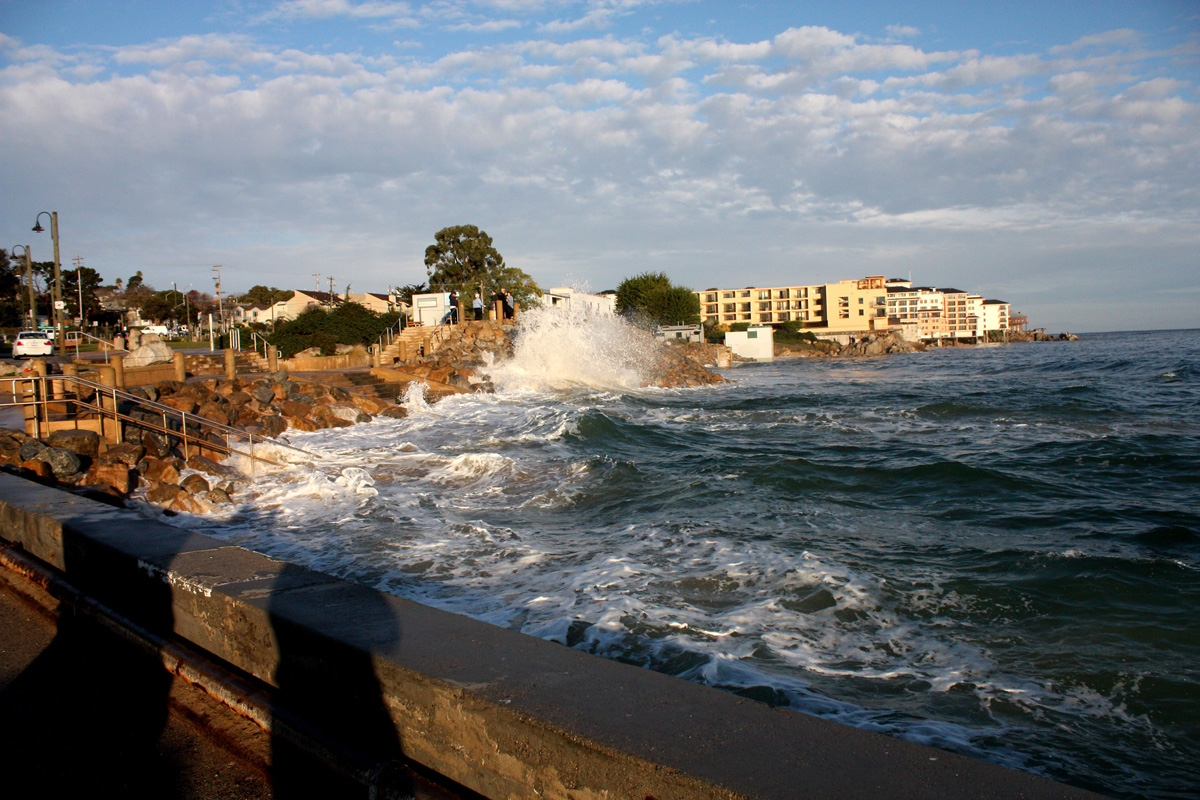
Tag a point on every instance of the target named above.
point(157, 330)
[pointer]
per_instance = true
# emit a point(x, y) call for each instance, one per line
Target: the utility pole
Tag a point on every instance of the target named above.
point(316, 281)
point(330, 290)
point(79, 285)
point(220, 304)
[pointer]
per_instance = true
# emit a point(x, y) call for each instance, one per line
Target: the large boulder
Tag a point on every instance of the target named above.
point(151, 350)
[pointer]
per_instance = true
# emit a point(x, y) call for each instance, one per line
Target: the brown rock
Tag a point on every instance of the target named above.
point(160, 471)
point(39, 468)
point(218, 497)
point(239, 398)
point(215, 412)
point(81, 443)
point(210, 467)
point(186, 502)
point(294, 409)
point(194, 484)
point(164, 495)
point(125, 453)
point(185, 404)
point(111, 473)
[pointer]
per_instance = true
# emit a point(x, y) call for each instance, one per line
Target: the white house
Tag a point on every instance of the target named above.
point(757, 342)
point(564, 297)
point(431, 308)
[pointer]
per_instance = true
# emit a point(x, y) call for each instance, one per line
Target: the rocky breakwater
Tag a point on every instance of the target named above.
point(875, 344)
point(460, 355)
point(158, 466)
point(466, 352)
point(679, 364)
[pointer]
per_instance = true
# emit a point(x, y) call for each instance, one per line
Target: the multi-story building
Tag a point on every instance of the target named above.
point(922, 306)
point(995, 315)
point(845, 306)
point(964, 314)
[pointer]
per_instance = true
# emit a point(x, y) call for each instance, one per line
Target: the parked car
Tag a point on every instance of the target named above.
point(32, 343)
point(158, 330)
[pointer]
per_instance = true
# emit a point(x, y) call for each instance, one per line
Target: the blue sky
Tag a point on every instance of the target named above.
point(1042, 153)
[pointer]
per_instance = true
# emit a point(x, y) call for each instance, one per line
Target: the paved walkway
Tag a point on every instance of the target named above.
point(83, 713)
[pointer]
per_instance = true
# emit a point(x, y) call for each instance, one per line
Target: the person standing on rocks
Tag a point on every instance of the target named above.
point(508, 304)
point(477, 304)
point(454, 308)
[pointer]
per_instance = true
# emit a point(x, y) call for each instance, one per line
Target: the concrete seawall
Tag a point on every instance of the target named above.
point(502, 713)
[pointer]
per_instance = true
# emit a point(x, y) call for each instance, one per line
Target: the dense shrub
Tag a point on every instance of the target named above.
point(347, 323)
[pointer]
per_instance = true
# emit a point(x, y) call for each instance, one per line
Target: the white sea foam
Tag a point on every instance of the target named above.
point(560, 349)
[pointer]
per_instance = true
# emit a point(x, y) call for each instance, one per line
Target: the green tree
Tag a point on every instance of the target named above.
point(90, 281)
point(265, 295)
point(13, 302)
point(651, 299)
point(462, 258)
point(405, 293)
point(158, 306)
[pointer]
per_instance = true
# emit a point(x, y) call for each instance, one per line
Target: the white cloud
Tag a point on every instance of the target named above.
point(902, 31)
point(811, 146)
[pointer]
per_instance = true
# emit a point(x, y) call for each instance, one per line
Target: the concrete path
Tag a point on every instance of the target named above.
point(85, 714)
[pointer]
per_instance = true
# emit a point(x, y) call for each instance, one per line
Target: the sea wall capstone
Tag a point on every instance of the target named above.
point(504, 714)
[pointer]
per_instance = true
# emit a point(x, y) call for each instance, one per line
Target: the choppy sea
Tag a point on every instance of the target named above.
point(992, 550)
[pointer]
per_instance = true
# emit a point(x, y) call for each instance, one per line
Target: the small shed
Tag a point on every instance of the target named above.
point(687, 333)
point(757, 342)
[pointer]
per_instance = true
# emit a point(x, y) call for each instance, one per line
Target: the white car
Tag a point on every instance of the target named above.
point(32, 343)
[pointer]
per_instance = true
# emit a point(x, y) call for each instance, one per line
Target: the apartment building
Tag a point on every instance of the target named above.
point(964, 314)
point(762, 305)
point(995, 315)
point(845, 306)
point(923, 305)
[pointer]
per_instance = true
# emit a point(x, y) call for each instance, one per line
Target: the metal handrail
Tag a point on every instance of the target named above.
point(44, 398)
point(255, 339)
point(77, 335)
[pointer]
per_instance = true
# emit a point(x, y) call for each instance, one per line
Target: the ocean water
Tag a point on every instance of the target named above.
point(992, 550)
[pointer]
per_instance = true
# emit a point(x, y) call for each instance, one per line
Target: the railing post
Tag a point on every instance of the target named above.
point(272, 358)
point(30, 389)
point(230, 363)
point(118, 365)
point(180, 367)
point(107, 400)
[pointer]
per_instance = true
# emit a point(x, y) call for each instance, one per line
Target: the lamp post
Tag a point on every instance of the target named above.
point(58, 303)
point(29, 280)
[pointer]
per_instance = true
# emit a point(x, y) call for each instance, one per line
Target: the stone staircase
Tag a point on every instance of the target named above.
point(362, 382)
point(247, 361)
point(406, 346)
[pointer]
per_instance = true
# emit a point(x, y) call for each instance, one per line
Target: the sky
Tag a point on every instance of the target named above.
point(1045, 154)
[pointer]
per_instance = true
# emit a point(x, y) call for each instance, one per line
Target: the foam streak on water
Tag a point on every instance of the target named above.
point(996, 551)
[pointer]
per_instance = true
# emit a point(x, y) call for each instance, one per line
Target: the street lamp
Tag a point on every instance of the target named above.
point(58, 302)
point(29, 279)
